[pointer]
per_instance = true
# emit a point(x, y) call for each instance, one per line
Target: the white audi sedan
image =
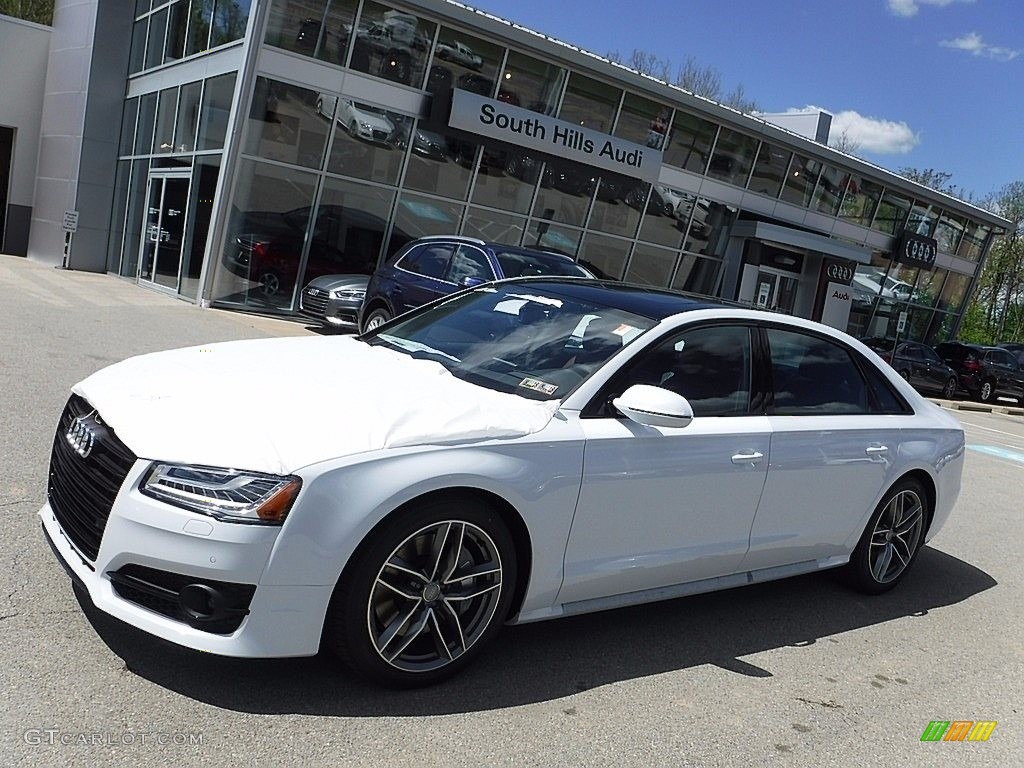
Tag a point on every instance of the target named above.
point(523, 450)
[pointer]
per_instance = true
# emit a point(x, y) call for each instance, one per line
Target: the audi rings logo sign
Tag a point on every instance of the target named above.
point(839, 273)
point(81, 436)
point(916, 250)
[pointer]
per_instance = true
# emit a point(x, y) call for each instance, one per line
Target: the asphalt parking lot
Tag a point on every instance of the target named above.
point(801, 672)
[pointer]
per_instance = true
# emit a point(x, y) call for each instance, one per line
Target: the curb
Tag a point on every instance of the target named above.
point(958, 405)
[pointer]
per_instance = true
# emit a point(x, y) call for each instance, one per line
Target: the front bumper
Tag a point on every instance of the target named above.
point(282, 620)
point(336, 313)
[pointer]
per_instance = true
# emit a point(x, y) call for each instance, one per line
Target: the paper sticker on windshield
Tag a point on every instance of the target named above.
point(539, 386)
point(627, 332)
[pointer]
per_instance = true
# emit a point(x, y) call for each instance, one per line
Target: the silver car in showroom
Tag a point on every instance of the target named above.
point(334, 300)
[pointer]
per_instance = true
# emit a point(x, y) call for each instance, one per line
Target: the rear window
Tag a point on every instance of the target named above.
point(524, 264)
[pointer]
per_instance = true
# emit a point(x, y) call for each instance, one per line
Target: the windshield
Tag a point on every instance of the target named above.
point(524, 264)
point(516, 338)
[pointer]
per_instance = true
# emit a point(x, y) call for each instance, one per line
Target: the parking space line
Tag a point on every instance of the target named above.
point(999, 452)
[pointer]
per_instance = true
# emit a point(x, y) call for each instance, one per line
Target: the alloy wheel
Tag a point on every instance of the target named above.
point(270, 284)
point(375, 321)
point(434, 596)
point(949, 391)
point(896, 536)
point(986, 391)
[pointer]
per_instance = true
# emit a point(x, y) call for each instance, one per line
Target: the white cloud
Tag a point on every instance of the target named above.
point(870, 134)
point(974, 45)
point(907, 8)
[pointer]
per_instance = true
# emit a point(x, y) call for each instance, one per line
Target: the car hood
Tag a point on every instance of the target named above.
point(330, 282)
point(276, 405)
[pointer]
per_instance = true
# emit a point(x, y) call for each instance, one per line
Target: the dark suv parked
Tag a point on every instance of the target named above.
point(985, 372)
point(432, 267)
point(918, 364)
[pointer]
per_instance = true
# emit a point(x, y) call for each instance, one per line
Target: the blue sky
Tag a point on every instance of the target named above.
point(925, 83)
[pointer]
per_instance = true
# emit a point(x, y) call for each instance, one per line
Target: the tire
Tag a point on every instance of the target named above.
point(396, 620)
point(949, 390)
point(375, 319)
point(986, 392)
point(270, 283)
point(883, 557)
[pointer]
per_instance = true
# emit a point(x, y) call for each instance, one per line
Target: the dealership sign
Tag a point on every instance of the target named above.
point(505, 122)
point(916, 250)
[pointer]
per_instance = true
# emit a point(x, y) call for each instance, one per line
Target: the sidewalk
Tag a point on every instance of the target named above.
point(967, 405)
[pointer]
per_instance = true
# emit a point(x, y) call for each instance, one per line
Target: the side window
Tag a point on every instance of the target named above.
point(428, 260)
point(909, 351)
point(929, 354)
point(813, 376)
point(468, 262)
point(708, 366)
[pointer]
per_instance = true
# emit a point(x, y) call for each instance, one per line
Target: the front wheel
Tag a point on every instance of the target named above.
point(376, 319)
point(986, 392)
point(424, 594)
point(949, 390)
point(892, 539)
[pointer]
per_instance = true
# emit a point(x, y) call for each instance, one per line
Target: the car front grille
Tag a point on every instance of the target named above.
point(379, 135)
point(82, 489)
point(314, 303)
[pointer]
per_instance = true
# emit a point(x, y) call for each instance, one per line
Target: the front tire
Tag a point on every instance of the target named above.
point(376, 319)
point(424, 594)
point(949, 391)
point(890, 542)
point(987, 390)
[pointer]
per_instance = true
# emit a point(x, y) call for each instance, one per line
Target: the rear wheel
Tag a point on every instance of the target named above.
point(987, 390)
point(425, 594)
point(270, 283)
point(892, 539)
point(949, 390)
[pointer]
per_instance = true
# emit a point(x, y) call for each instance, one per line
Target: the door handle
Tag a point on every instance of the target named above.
point(873, 450)
point(747, 458)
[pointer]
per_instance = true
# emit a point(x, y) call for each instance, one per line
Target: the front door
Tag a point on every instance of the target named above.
point(164, 230)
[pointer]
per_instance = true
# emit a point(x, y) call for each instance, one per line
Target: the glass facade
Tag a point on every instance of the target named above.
point(326, 181)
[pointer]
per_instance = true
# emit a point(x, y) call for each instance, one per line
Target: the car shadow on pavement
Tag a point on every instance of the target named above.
point(553, 659)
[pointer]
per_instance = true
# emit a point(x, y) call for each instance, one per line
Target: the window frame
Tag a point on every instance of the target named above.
point(400, 262)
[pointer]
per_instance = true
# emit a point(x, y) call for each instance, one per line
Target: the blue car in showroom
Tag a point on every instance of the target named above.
point(431, 267)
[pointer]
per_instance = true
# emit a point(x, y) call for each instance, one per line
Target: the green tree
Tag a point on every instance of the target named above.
point(39, 11)
point(997, 308)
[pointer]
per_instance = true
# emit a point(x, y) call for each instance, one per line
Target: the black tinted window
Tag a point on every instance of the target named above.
point(886, 399)
point(929, 354)
point(813, 376)
point(523, 263)
point(468, 262)
point(428, 260)
point(710, 367)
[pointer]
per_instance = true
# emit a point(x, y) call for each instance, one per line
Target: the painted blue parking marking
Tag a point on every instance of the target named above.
point(1002, 453)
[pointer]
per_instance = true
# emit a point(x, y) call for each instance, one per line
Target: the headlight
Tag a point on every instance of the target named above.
point(227, 494)
point(348, 293)
point(367, 126)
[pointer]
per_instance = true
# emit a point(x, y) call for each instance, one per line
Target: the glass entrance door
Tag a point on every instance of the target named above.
point(164, 231)
point(775, 291)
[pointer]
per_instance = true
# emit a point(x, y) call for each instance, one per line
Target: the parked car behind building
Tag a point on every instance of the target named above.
point(918, 364)
point(985, 372)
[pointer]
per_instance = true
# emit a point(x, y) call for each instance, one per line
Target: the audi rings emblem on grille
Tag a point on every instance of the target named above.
point(81, 436)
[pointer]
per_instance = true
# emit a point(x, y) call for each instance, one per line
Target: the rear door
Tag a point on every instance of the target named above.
point(830, 453)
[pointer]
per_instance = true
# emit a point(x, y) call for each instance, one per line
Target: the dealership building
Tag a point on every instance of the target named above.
point(227, 151)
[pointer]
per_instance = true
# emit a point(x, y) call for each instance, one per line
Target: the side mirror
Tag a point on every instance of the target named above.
point(654, 406)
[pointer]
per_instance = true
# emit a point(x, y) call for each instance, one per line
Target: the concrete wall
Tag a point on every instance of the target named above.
point(82, 104)
point(24, 49)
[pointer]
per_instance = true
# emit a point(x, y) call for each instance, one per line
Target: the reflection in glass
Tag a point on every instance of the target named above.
point(188, 117)
point(860, 200)
point(940, 328)
point(800, 180)
point(830, 190)
point(697, 275)
point(284, 125)
point(618, 204)
point(369, 142)
point(548, 237)
point(200, 207)
point(166, 110)
point(144, 131)
point(317, 28)
point(493, 226)
point(264, 236)
point(349, 229)
point(650, 265)
point(177, 24)
point(134, 217)
point(392, 44)
point(115, 238)
point(155, 44)
point(472, 63)
point(604, 256)
point(733, 157)
point(590, 103)
point(137, 59)
point(128, 117)
point(564, 194)
point(666, 216)
point(973, 241)
point(689, 144)
point(770, 169)
point(213, 117)
point(929, 284)
point(507, 178)
point(949, 231)
point(892, 213)
point(418, 216)
point(529, 83)
point(229, 20)
point(434, 163)
point(954, 290)
point(923, 218)
point(198, 38)
point(709, 227)
point(643, 121)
